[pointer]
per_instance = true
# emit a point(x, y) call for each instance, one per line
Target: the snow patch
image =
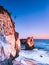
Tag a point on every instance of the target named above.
point(39, 56)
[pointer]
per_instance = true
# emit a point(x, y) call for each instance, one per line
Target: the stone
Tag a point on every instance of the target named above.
point(29, 44)
point(17, 43)
point(8, 42)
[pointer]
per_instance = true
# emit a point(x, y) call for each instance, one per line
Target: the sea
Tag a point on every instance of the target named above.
point(39, 55)
point(40, 44)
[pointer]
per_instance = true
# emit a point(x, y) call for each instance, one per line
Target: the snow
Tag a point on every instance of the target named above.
point(40, 56)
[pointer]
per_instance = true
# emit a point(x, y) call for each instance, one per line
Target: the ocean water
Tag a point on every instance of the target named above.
point(39, 55)
point(39, 43)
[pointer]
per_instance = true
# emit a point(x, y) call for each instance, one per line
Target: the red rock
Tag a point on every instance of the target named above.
point(7, 29)
point(29, 43)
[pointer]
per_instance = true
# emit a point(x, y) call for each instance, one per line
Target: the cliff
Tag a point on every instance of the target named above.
point(7, 31)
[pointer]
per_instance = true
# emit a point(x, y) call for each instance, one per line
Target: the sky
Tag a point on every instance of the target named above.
point(32, 17)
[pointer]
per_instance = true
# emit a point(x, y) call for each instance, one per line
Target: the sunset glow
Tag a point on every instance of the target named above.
point(41, 36)
point(31, 17)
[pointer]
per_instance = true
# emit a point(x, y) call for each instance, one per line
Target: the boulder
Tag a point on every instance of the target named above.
point(29, 44)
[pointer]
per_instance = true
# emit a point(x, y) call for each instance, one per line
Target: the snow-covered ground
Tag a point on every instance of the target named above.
point(39, 56)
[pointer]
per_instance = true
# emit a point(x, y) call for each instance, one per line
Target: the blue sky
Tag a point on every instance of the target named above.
point(32, 16)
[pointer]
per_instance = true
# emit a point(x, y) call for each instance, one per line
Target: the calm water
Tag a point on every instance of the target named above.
point(40, 44)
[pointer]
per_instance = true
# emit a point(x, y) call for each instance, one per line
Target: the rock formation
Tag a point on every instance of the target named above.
point(29, 44)
point(8, 42)
point(23, 41)
point(17, 43)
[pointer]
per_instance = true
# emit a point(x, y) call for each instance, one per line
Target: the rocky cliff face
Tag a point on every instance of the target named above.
point(29, 43)
point(17, 46)
point(7, 31)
